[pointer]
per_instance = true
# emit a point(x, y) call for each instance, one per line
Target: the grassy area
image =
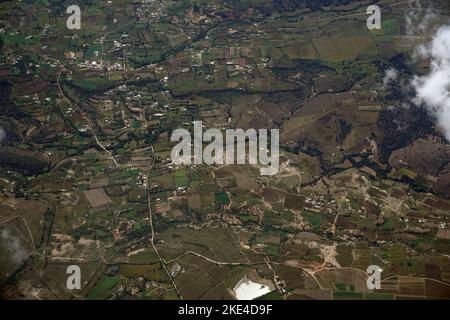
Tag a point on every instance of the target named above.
point(222, 198)
point(346, 295)
point(181, 178)
point(378, 296)
point(274, 295)
point(103, 287)
point(312, 218)
point(335, 49)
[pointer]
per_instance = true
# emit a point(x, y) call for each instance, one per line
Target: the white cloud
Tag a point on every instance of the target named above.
point(18, 253)
point(433, 89)
point(390, 75)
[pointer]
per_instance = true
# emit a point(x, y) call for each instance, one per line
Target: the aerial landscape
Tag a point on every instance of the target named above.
point(124, 130)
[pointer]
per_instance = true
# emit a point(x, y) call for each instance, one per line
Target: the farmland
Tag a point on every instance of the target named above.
point(87, 178)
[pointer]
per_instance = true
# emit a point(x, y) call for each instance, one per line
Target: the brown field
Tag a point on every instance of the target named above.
point(294, 202)
point(437, 203)
point(99, 182)
point(350, 277)
point(194, 201)
point(29, 87)
point(306, 52)
point(302, 294)
point(443, 234)
point(217, 244)
point(405, 286)
point(273, 195)
point(336, 49)
point(435, 289)
point(294, 277)
point(322, 124)
point(427, 156)
point(97, 197)
point(23, 214)
point(201, 279)
point(244, 182)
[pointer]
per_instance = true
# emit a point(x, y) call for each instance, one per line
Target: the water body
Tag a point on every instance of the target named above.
point(249, 290)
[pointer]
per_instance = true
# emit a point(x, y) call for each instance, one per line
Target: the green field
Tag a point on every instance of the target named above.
point(103, 287)
point(181, 178)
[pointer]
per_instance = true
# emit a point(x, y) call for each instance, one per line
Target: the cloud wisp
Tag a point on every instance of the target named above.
point(17, 252)
point(390, 75)
point(418, 17)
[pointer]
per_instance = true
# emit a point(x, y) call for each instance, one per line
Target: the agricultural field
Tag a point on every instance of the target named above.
point(88, 176)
